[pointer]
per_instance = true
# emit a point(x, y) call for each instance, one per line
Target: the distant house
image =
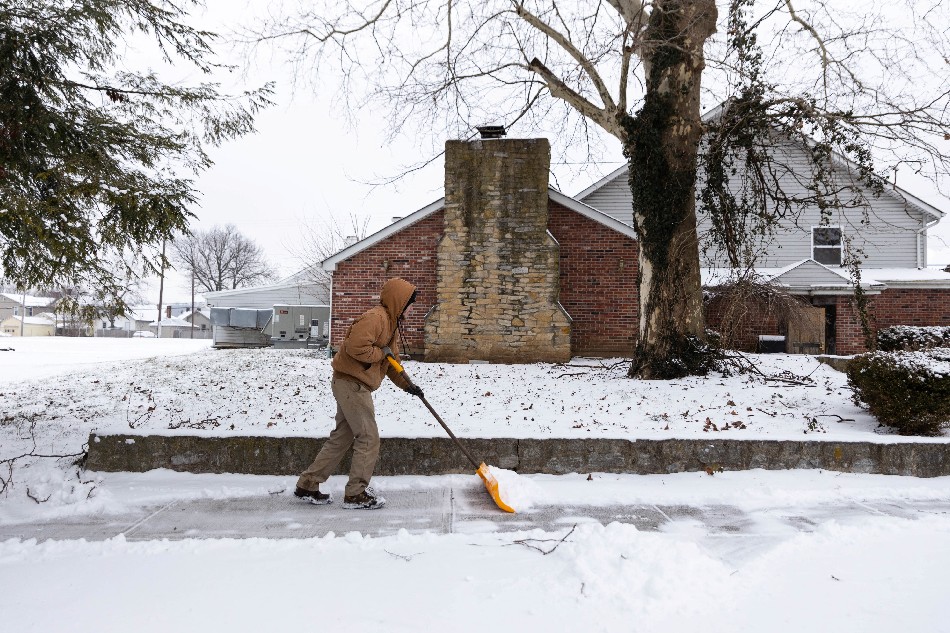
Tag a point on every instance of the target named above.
point(12, 304)
point(293, 290)
point(144, 318)
point(200, 319)
point(171, 327)
point(43, 324)
point(137, 319)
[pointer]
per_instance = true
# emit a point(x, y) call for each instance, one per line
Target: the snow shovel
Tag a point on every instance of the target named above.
point(480, 469)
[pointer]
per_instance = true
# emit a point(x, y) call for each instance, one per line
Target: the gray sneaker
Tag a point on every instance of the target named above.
point(365, 500)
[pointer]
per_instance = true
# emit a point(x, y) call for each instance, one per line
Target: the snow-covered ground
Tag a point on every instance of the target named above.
point(870, 574)
point(878, 574)
point(287, 392)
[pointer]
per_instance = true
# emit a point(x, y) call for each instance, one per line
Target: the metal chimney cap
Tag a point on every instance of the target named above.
point(492, 131)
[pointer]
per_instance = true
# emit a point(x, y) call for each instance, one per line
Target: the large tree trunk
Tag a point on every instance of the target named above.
point(661, 145)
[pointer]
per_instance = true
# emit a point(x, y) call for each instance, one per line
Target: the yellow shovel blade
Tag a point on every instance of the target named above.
point(492, 484)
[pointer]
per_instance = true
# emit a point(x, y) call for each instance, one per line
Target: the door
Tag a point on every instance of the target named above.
point(807, 335)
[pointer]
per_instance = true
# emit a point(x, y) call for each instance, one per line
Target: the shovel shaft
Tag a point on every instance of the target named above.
point(451, 434)
point(399, 368)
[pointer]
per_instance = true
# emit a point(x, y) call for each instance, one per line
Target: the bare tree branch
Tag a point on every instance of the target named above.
point(222, 258)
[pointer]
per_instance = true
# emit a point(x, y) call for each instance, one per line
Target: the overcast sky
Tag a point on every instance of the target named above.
point(308, 162)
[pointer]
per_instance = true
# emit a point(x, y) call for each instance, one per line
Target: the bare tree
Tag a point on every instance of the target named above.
point(323, 238)
point(855, 85)
point(223, 258)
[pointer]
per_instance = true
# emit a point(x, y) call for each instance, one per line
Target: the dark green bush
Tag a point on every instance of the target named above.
point(909, 338)
point(909, 391)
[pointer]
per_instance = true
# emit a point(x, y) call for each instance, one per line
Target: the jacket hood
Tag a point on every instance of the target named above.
point(395, 295)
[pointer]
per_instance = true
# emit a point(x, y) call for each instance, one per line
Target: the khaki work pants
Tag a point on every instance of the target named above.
point(356, 427)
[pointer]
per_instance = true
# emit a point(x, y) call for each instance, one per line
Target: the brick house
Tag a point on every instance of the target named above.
point(806, 259)
point(507, 268)
point(576, 260)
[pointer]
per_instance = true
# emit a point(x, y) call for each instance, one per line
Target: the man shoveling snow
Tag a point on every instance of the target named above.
point(359, 367)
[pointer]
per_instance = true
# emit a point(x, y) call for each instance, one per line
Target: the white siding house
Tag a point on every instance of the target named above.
point(805, 255)
point(891, 230)
point(286, 292)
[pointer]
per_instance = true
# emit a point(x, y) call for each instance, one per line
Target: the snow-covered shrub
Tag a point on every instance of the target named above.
point(908, 338)
point(909, 391)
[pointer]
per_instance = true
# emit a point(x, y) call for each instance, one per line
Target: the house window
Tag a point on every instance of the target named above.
point(826, 245)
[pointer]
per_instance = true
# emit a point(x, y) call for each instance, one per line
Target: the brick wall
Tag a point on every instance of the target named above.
point(598, 283)
point(741, 329)
point(410, 254)
point(892, 307)
point(599, 295)
point(912, 306)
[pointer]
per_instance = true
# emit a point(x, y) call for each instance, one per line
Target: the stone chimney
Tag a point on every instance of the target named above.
point(498, 267)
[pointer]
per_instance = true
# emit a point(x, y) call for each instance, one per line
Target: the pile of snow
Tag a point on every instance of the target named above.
point(519, 493)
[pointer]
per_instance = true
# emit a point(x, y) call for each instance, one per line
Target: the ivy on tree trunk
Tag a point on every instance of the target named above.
point(661, 145)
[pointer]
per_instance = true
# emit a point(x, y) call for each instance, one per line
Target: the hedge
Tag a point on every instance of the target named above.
point(910, 338)
point(909, 391)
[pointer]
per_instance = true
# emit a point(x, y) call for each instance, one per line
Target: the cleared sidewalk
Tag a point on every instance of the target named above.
point(443, 510)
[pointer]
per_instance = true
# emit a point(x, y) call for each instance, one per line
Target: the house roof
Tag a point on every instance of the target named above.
point(807, 275)
point(289, 282)
point(554, 195)
point(40, 319)
point(173, 322)
point(143, 313)
point(202, 311)
point(897, 192)
point(30, 301)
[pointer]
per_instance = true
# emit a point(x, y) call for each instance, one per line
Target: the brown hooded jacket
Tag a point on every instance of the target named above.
point(360, 356)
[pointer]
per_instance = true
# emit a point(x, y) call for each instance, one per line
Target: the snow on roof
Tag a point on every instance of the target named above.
point(143, 313)
point(909, 277)
point(294, 281)
point(173, 322)
point(879, 278)
point(40, 319)
point(30, 301)
point(893, 191)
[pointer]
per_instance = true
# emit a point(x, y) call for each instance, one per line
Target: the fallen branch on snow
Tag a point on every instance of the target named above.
point(529, 542)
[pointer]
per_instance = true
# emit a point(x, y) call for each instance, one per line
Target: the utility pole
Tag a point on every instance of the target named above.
point(23, 313)
point(192, 303)
point(161, 290)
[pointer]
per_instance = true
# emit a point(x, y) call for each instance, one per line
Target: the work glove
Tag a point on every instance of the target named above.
point(414, 389)
point(388, 352)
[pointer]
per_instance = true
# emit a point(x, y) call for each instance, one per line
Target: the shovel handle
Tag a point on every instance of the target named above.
point(399, 369)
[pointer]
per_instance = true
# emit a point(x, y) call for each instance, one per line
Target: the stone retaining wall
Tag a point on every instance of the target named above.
point(437, 456)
